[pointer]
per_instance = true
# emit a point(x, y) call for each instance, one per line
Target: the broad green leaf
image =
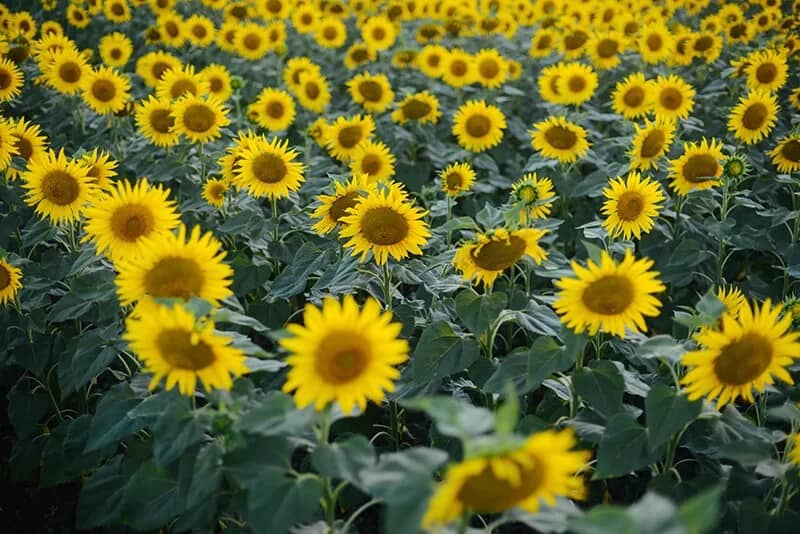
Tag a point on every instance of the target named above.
point(111, 422)
point(545, 358)
point(667, 413)
point(601, 386)
point(151, 498)
point(344, 459)
point(662, 346)
point(440, 352)
point(278, 501)
point(478, 312)
point(177, 429)
point(701, 513)
point(452, 417)
point(100, 500)
point(275, 415)
point(603, 519)
point(623, 448)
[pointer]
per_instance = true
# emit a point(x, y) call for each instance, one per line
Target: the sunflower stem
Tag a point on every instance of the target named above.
point(275, 221)
point(387, 286)
point(447, 220)
point(676, 224)
point(723, 216)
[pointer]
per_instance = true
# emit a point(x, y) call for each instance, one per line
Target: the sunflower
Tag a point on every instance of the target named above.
point(305, 18)
point(199, 119)
point(747, 353)
point(556, 137)
point(733, 299)
point(268, 169)
point(673, 98)
point(698, 168)
point(175, 83)
point(155, 121)
point(252, 41)
point(543, 43)
point(170, 25)
point(753, 118)
point(794, 98)
point(534, 196)
point(379, 33)
point(170, 266)
point(576, 83)
point(548, 83)
point(573, 42)
point(632, 206)
point(174, 343)
point(358, 54)
point(313, 93)
point(633, 96)
point(199, 30)
point(427, 33)
point(115, 49)
point(786, 154)
point(121, 220)
point(372, 91)
point(219, 81)
point(58, 186)
point(274, 110)
point(77, 16)
point(29, 143)
point(793, 449)
point(650, 142)
point(106, 90)
point(11, 80)
point(655, 43)
point(330, 32)
point(610, 296)
point(422, 107)
point(10, 281)
point(345, 134)
point(683, 54)
point(101, 168)
point(484, 259)
point(343, 354)
point(214, 192)
point(117, 11)
point(459, 68)
point(345, 196)
point(491, 68)
point(478, 126)
point(7, 144)
point(385, 223)
point(374, 159)
point(318, 131)
point(541, 469)
point(457, 178)
point(604, 49)
point(294, 68)
point(431, 60)
point(707, 45)
point(152, 66)
point(67, 71)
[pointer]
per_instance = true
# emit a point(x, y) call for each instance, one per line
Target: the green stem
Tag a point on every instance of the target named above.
point(723, 216)
point(449, 216)
point(395, 425)
point(676, 225)
point(358, 512)
point(387, 285)
point(275, 221)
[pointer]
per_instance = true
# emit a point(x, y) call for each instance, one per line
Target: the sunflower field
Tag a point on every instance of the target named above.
point(400, 266)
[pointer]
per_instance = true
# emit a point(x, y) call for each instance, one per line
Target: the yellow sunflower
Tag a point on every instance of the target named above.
point(155, 122)
point(331, 32)
point(372, 91)
point(385, 223)
point(632, 206)
point(345, 134)
point(318, 131)
point(313, 93)
point(478, 126)
point(214, 192)
point(604, 49)
point(29, 143)
point(378, 32)
point(229, 162)
point(656, 43)
point(115, 49)
point(119, 221)
point(199, 30)
point(491, 68)
point(77, 16)
point(358, 54)
point(175, 344)
point(101, 168)
point(117, 11)
point(305, 18)
point(558, 138)
point(534, 195)
point(610, 296)
point(576, 83)
point(343, 354)
point(10, 281)
point(633, 96)
point(786, 154)
point(67, 71)
point(746, 355)
point(58, 186)
point(172, 266)
point(548, 83)
point(106, 90)
point(794, 98)
point(486, 258)
point(345, 196)
point(219, 81)
point(152, 66)
point(431, 60)
point(707, 45)
point(274, 110)
point(199, 119)
point(7, 144)
point(374, 159)
point(11, 80)
point(252, 41)
point(650, 142)
point(698, 168)
point(544, 42)
point(673, 98)
point(459, 68)
point(422, 107)
point(268, 169)
point(539, 470)
point(183, 81)
point(457, 178)
point(753, 118)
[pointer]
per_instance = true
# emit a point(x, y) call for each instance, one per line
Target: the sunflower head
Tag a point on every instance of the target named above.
point(58, 187)
point(486, 258)
point(10, 281)
point(478, 126)
point(737, 166)
point(632, 206)
point(457, 178)
point(556, 137)
point(533, 195)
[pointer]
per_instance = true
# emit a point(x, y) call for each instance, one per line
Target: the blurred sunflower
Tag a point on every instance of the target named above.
point(786, 154)
point(268, 169)
point(650, 142)
point(633, 96)
point(199, 30)
point(170, 25)
point(10, 281)
point(29, 143)
point(214, 190)
point(345, 196)
point(673, 98)
point(576, 83)
point(173, 343)
point(252, 41)
point(478, 126)
point(219, 81)
point(491, 68)
point(101, 168)
point(431, 60)
point(544, 42)
point(330, 32)
point(345, 134)
point(632, 206)
point(115, 49)
point(459, 68)
point(155, 122)
point(378, 32)
point(274, 110)
point(548, 83)
point(457, 178)
point(77, 16)
point(11, 80)
point(117, 11)
point(609, 296)
point(67, 71)
point(305, 18)
point(119, 221)
point(152, 66)
point(343, 354)
point(358, 54)
point(183, 81)
point(534, 195)
point(707, 45)
point(558, 138)
point(604, 49)
point(698, 168)
point(199, 119)
point(106, 91)
point(372, 91)
point(373, 159)
point(753, 118)
point(58, 187)
point(421, 107)
point(7, 144)
point(313, 93)
point(748, 353)
point(486, 258)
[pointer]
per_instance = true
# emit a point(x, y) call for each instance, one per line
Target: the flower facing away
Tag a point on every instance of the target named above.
point(343, 354)
point(609, 296)
point(175, 344)
point(545, 466)
point(743, 356)
point(534, 195)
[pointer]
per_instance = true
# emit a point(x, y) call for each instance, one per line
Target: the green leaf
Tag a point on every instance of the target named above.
point(275, 415)
point(176, 430)
point(513, 369)
point(453, 418)
point(603, 520)
point(100, 500)
point(507, 415)
point(478, 312)
point(151, 498)
point(440, 352)
point(667, 413)
point(545, 358)
point(701, 513)
point(623, 448)
point(654, 514)
point(663, 346)
point(294, 278)
point(259, 457)
point(277, 501)
point(206, 475)
point(26, 409)
point(601, 386)
point(111, 422)
point(225, 315)
point(344, 459)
